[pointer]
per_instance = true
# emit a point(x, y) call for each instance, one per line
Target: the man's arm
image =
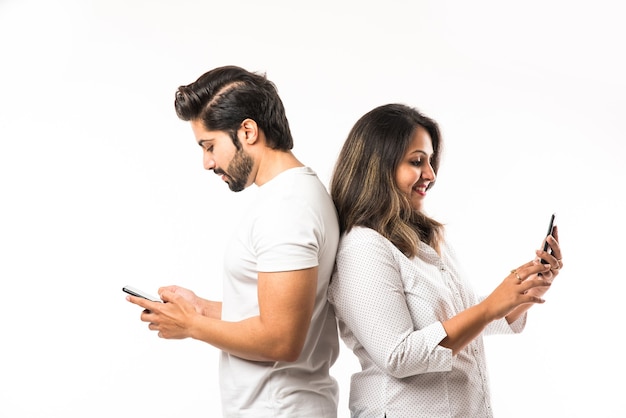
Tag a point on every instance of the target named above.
point(278, 333)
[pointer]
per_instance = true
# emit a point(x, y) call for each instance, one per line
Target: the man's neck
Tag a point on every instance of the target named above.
point(274, 162)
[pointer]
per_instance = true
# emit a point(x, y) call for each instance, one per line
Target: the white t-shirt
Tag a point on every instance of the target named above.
point(390, 310)
point(292, 225)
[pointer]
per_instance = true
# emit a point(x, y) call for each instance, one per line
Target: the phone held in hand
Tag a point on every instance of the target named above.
point(546, 247)
point(140, 293)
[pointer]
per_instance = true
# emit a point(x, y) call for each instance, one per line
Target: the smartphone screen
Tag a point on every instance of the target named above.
point(140, 293)
point(546, 246)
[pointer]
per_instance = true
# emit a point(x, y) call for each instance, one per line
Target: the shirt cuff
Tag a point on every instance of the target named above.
point(519, 324)
point(441, 357)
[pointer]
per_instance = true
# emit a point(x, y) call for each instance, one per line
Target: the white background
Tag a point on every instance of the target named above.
point(101, 185)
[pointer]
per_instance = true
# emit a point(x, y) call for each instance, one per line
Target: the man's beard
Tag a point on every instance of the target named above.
point(238, 171)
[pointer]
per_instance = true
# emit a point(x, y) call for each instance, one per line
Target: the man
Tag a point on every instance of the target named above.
point(275, 328)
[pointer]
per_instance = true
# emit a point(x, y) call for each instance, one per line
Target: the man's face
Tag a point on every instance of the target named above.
point(222, 156)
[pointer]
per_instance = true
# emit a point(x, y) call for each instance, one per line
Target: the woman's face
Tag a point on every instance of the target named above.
point(414, 172)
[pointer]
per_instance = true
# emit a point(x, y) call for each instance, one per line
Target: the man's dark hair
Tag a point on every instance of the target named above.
point(224, 97)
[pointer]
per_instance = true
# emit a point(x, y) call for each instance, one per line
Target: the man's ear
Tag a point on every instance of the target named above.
point(248, 132)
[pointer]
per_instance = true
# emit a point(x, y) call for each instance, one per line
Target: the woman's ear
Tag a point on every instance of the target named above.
point(248, 132)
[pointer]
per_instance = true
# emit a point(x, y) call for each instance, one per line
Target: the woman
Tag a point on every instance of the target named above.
point(403, 305)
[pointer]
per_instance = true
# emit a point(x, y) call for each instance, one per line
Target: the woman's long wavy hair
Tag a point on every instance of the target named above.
point(363, 184)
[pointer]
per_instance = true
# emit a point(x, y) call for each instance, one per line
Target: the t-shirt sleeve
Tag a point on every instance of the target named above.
point(286, 236)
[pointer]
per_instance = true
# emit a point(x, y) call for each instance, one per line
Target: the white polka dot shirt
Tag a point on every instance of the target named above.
point(390, 311)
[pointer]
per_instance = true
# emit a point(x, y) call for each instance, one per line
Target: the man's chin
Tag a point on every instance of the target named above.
point(235, 187)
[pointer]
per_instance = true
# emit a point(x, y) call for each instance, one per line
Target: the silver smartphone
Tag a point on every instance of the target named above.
point(140, 293)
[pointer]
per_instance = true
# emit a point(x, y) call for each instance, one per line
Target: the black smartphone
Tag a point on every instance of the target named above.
point(546, 246)
point(136, 292)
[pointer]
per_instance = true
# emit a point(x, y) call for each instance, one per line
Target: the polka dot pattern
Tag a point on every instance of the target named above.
point(390, 310)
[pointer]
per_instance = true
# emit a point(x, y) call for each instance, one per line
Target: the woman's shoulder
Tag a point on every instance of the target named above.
point(364, 239)
point(359, 233)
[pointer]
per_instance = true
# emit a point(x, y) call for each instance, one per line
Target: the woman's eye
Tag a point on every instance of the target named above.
point(416, 163)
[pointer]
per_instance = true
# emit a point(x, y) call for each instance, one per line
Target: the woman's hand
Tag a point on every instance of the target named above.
point(554, 259)
point(517, 290)
point(510, 299)
point(554, 262)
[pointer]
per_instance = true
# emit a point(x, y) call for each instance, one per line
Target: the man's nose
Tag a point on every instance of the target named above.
point(208, 161)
